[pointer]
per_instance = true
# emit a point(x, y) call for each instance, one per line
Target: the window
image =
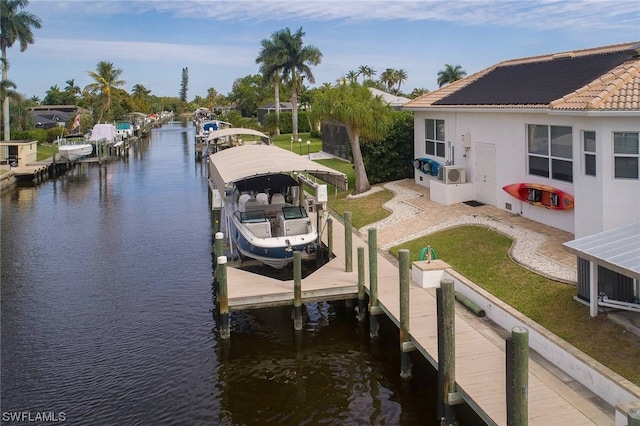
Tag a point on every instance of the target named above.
point(434, 135)
point(550, 151)
point(626, 155)
point(589, 150)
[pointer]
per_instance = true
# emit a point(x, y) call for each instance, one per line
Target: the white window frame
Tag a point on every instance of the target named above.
point(617, 155)
point(546, 151)
point(587, 153)
point(437, 139)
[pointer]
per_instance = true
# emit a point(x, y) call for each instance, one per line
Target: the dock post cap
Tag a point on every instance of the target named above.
point(219, 236)
point(222, 260)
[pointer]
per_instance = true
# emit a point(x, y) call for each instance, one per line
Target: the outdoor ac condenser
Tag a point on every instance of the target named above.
point(453, 174)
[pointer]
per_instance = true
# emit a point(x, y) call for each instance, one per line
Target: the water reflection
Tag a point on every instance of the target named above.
point(107, 312)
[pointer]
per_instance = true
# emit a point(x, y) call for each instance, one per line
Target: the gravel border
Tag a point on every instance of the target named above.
point(523, 251)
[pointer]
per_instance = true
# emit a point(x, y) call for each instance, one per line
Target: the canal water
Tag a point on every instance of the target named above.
point(107, 315)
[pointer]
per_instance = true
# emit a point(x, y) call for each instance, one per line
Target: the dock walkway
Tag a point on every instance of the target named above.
point(480, 356)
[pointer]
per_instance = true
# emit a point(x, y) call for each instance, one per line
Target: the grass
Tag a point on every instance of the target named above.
point(45, 150)
point(481, 255)
point(284, 141)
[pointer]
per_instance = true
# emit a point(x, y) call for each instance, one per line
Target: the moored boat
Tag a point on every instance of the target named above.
point(257, 188)
point(73, 148)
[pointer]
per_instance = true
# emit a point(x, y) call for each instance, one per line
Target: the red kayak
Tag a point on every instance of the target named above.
point(540, 195)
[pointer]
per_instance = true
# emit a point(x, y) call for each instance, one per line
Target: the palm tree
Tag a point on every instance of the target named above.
point(15, 25)
point(352, 76)
point(362, 114)
point(270, 67)
point(450, 74)
point(140, 94)
point(366, 72)
point(388, 78)
point(106, 79)
point(400, 77)
point(295, 59)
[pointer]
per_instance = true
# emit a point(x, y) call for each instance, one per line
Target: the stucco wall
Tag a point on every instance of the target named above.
point(601, 202)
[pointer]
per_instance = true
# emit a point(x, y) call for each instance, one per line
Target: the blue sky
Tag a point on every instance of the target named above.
point(218, 41)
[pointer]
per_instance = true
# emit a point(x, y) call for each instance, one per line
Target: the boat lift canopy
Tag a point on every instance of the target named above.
point(234, 131)
point(248, 161)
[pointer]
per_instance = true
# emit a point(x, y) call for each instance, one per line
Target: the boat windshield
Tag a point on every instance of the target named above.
point(294, 212)
point(252, 216)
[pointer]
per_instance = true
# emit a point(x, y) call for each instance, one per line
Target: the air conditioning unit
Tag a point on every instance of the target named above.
point(452, 174)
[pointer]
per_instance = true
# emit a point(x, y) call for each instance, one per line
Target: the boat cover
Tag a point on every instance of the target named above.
point(220, 133)
point(247, 161)
point(103, 131)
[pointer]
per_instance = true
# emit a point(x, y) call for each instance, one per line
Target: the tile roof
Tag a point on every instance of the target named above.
point(599, 79)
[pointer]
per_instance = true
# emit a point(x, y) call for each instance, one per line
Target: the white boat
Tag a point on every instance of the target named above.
point(73, 149)
point(105, 134)
point(257, 189)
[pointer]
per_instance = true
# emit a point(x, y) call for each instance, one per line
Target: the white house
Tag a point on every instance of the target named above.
point(569, 120)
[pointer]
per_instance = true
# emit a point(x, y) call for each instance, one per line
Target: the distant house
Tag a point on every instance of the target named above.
point(569, 120)
point(271, 108)
point(395, 102)
point(48, 116)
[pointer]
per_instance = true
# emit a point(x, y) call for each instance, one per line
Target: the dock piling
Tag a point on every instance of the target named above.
point(297, 291)
point(329, 238)
point(374, 309)
point(219, 237)
point(633, 417)
point(406, 346)
point(348, 243)
point(362, 309)
point(447, 395)
point(517, 356)
point(223, 297)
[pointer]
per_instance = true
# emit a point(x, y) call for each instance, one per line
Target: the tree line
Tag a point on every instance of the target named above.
point(285, 65)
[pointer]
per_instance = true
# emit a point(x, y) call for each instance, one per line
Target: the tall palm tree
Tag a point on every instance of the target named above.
point(450, 74)
point(366, 72)
point(362, 114)
point(295, 60)
point(106, 79)
point(140, 94)
point(16, 24)
point(270, 67)
point(72, 90)
point(388, 78)
point(352, 76)
point(400, 77)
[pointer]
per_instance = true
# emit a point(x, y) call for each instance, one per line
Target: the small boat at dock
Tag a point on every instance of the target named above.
point(74, 148)
point(258, 190)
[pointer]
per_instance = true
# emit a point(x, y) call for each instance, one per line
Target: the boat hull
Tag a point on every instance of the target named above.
point(74, 152)
point(276, 252)
point(541, 195)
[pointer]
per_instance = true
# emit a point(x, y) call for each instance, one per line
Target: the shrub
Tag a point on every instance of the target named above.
point(39, 135)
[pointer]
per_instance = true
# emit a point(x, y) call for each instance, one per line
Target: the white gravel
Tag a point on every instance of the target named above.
point(525, 241)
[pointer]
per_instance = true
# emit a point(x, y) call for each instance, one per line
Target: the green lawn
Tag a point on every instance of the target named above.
point(284, 141)
point(481, 255)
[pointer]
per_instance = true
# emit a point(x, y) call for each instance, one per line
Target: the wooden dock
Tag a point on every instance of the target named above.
point(480, 373)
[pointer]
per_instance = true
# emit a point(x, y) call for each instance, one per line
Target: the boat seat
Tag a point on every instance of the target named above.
point(262, 198)
point(277, 199)
point(242, 200)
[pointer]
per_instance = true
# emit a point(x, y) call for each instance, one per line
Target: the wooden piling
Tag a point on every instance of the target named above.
point(219, 237)
point(406, 366)
point(447, 395)
point(374, 309)
point(362, 309)
point(348, 243)
point(633, 417)
point(223, 297)
point(329, 238)
point(518, 377)
point(297, 291)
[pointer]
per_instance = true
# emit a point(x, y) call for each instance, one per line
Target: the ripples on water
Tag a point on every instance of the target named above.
point(107, 314)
